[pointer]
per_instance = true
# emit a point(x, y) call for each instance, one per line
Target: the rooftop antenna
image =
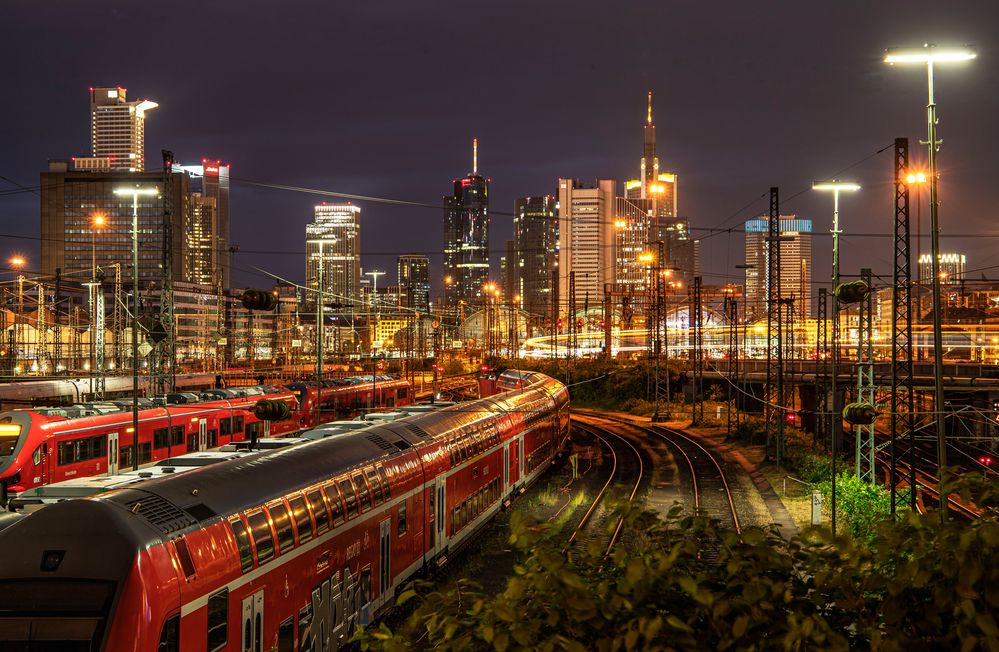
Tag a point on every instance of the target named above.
point(475, 156)
point(649, 116)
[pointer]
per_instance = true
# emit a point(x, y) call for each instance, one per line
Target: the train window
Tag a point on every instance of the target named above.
point(376, 486)
point(225, 427)
point(218, 620)
point(237, 424)
point(319, 510)
point(177, 436)
point(124, 457)
point(363, 493)
point(98, 446)
point(213, 438)
point(282, 525)
point(402, 393)
point(243, 544)
point(450, 451)
point(36, 456)
point(260, 530)
point(301, 516)
point(462, 449)
point(401, 527)
point(170, 636)
point(161, 438)
point(66, 452)
point(184, 557)
point(454, 521)
point(336, 504)
point(386, 489)
point(192, 442)
point(145, 452)
point(349, 497)
point(286, 635)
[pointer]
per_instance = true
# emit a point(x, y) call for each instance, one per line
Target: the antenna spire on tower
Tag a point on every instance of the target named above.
point(475, 156)
point(649, 117)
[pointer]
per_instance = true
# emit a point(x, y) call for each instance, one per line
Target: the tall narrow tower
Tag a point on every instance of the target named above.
point(118, 128)
point(650, 162)
point(466, 236)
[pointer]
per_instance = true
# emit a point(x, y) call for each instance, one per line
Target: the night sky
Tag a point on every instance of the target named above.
point(384, 98)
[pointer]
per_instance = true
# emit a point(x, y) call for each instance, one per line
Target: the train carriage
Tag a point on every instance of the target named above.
point(287, 551)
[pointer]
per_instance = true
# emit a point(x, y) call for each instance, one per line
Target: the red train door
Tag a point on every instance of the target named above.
point(514, 466)
point(202, 434)
point(112, 453)
point(384, 560)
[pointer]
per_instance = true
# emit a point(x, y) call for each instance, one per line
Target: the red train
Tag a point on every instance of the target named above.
point(286, 552)
point(44, 445)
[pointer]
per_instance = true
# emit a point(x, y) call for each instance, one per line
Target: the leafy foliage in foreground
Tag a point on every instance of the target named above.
point(917, 585)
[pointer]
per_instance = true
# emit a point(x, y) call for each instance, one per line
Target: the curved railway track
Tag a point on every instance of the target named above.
point(597, 512)
point(709, 486)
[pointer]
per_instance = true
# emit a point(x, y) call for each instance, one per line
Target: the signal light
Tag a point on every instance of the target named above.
point(560, 323)
point(270, 409)
point(792, 417)
point(860, 414)
point(602, 324)
point(485, 368)
point(259, 300)
point(853, 292)
point(985, 460)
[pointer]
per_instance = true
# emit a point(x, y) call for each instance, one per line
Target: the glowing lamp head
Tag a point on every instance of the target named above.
point(929, 54)
point(99, 221)
point(646, 257)
point(915, 178)
point(837, 186)
point(17, 261)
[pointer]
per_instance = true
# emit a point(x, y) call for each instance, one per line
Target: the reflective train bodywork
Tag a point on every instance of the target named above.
point(44, 445)
point(287, 551)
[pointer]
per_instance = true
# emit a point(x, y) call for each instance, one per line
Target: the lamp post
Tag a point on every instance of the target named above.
point(374, 274)
point(835, 187)
point(320, 325)
point(135, 191)
point(929, 55)
point(95, 224)
point(17, 263)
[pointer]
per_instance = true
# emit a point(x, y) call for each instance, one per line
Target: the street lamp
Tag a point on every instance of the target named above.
point(135, 191)
point(835, 187)
point(929, 55)
point(17, 263)
point(320, 325)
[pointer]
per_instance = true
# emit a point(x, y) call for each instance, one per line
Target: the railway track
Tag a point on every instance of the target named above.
point(708, 483)
point(626, 460)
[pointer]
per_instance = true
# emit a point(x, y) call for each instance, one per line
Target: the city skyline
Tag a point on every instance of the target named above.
point(720, 160)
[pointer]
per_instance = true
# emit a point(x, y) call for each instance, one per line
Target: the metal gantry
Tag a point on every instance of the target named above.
point(865, 381)
point(902, 391)
point(822, 371)
point(696, 321)
point(774, 391)
point(732, 313)
point(164, 379)
point(658, 338)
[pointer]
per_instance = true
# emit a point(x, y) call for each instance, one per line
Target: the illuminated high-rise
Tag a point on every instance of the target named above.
point(118, 128)
point(795, 264)
point(536, 246)
point(206, 224)
point(466, 237)
point(586, 238)
point(333, 240)
point(656, 192)
point(414, 282)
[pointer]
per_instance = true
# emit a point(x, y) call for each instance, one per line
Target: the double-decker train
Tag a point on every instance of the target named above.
point(287, 551)
point(43, 445)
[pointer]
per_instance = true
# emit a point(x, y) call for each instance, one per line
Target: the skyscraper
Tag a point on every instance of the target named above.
point(333, 240)
point(414, 282)
point(635, 227)
point(72, 240)
point(795, 264)
point(206, 227)
point(118, 128)
point(657, 191)
point(586, 239)
point(536, 245)
point(466, 236)
point(952, 267)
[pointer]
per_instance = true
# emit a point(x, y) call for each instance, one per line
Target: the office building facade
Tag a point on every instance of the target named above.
point(795, 265)
point(413, 274)
point(536, 247)
point(952, 268)
point(206, 228)
point(117, 129)
point(333, 240)
point(586, 240)
point(72, 242)
point(466, 237)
